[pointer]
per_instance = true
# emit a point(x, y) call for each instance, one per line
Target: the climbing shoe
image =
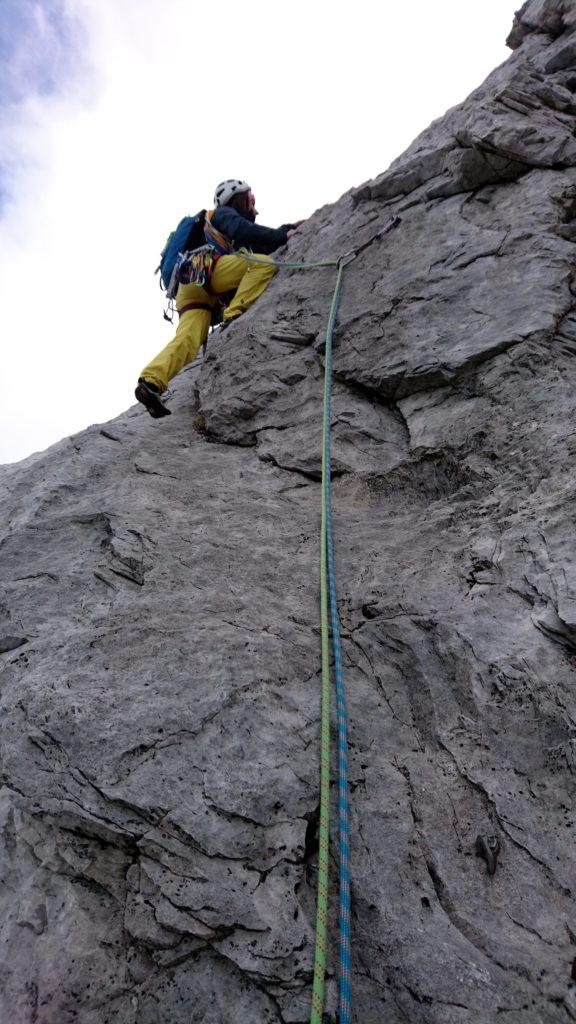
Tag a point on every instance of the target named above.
point(149, 395)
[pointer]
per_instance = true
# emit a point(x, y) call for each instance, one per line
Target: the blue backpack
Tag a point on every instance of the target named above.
point(188, 235)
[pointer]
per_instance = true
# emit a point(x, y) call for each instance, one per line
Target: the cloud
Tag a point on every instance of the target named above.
point(43, 56)
point(40, 46)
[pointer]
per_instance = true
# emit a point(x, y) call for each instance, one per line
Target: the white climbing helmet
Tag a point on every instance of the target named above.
point(226, 189)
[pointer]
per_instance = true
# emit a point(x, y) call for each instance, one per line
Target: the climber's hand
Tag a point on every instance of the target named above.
point(293, 229)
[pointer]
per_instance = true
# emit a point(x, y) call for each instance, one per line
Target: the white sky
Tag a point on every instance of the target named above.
point(166, 99)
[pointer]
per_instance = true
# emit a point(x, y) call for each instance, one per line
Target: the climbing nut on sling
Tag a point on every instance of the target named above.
point(488, 847)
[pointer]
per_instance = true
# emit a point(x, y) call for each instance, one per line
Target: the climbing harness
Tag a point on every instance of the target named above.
point(329, 621)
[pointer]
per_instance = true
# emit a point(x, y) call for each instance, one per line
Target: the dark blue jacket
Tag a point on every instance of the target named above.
point(241, 232)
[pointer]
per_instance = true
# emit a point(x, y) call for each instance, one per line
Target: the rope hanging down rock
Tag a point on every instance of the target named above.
point(330, 622)
point(328, 596)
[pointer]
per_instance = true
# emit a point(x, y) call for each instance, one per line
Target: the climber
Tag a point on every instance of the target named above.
point(231, 225)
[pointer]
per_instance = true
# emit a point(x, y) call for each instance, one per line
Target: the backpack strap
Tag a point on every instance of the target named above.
point(215, 238)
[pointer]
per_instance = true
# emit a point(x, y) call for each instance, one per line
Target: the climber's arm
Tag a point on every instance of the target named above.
point(243, 232)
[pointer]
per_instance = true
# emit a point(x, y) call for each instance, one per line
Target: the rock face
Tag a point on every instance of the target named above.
point(159, 644)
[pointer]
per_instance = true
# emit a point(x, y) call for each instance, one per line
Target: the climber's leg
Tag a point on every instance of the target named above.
point(249, 278)
point(191, 332)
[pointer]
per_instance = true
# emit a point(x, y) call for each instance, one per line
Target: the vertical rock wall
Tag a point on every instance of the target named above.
point(159, 648)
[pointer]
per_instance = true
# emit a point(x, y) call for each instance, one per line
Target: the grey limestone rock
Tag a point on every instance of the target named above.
point(160, 654)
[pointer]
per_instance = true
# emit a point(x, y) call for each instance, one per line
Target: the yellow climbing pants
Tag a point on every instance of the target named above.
point(229, 273)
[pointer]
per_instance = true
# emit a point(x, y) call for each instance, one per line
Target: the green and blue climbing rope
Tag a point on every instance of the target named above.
point(330, 624)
